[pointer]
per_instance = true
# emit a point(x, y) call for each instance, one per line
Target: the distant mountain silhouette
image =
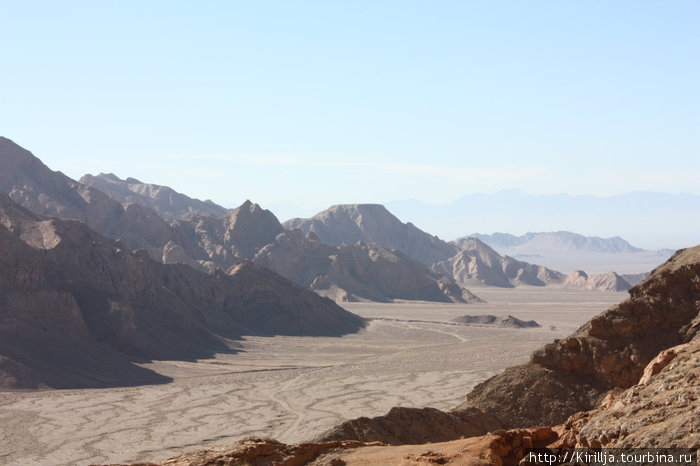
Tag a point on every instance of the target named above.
point(675, 224)
point(569, 251)
point(165, 201)
point(558, 241)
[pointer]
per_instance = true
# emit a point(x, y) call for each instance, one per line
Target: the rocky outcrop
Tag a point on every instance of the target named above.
point(402, 426)
point(165, 201)
point(77, 309)
point(476, 264)
point(610, 281)
point(610, 351)
point(258, 451)
point(358, 272)
point(344, 225)
point(662, 410)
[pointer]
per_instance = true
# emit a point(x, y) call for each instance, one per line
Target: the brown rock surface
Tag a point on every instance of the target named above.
point(500, 448)
point(256, 451)
point(662, 411)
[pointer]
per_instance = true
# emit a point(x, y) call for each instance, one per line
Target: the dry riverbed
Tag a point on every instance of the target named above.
point(292, 388)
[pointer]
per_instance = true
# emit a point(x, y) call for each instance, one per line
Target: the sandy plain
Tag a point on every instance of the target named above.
point(292, 388)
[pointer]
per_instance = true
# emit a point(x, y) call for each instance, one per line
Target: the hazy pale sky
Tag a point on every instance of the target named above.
point(320, 102)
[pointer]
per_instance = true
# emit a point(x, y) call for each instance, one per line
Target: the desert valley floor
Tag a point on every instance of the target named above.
point(292, 388)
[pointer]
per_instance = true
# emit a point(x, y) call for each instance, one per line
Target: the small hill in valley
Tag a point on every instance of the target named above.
point(495, 321)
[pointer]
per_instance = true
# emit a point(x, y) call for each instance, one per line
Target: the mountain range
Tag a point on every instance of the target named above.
point(201, 241)
point(651, 220)
point(350, 252)
point(78, 309)
point(567, 251)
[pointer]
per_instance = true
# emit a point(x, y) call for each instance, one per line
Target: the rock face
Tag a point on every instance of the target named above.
point(165, 201)
point(604, 282)
point(478, 264)
point(609, 352)
point(358, 272)
point(343, 225)
point(76, 308)
point(662, 410)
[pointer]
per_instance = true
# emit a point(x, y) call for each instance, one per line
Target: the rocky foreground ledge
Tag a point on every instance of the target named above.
point(630, 377)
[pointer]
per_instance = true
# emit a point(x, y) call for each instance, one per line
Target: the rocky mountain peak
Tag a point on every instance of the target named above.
point(346, 224)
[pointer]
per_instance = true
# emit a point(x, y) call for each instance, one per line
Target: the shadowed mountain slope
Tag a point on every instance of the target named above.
point(165, 201)
point(78, 307)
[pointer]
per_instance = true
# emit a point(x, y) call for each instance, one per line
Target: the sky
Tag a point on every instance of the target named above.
point(298, 105)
